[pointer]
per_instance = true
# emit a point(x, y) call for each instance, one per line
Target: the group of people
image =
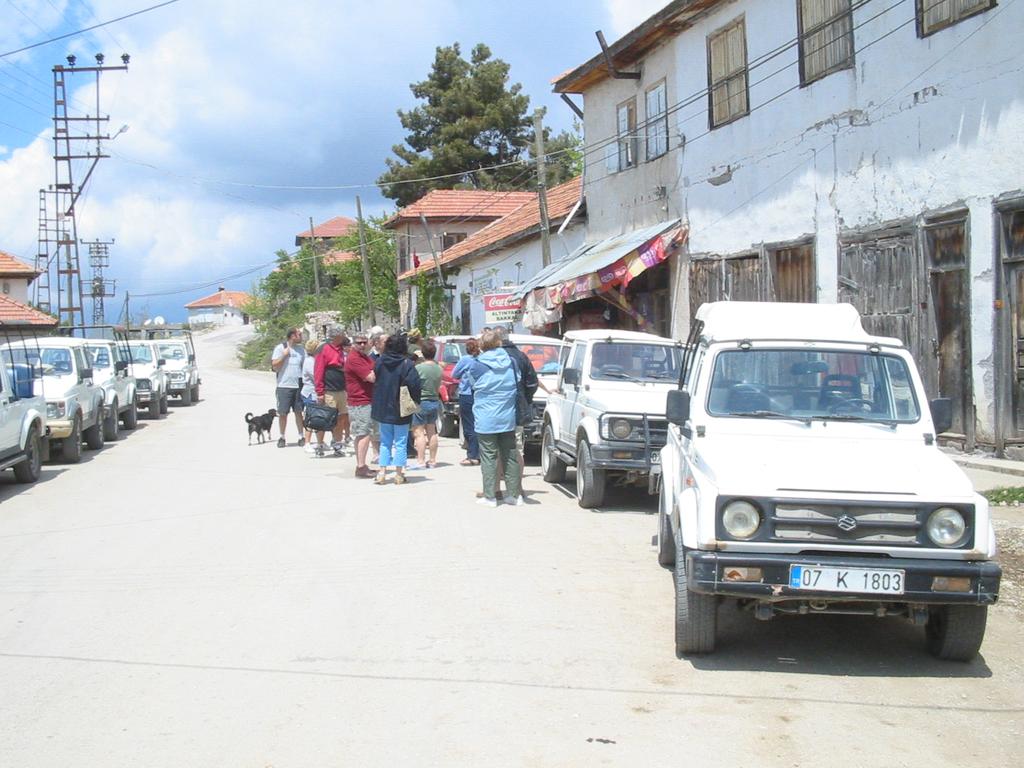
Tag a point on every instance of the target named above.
point(385, 386)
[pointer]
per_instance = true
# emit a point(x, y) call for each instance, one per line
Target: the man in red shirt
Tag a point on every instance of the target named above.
point(359, 378)
point(329, 380)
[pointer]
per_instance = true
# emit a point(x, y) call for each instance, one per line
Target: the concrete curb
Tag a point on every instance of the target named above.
point(990, 466)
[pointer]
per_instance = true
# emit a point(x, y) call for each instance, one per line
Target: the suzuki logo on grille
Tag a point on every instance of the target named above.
point(846, 523)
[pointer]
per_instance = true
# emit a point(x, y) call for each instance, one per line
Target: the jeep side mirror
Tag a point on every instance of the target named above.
point(677, 407)
point(121, 365)
point(86, 373)
point(942, 414)
point(160, 363)
point(571, 376)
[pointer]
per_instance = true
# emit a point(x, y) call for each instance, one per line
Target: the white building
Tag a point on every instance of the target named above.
point(831, 150)
point(15, 277)
point(506, 252)
point(220, 308)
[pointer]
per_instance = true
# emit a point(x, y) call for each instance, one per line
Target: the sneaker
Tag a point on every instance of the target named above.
point(281, 442)
point(319, 451)
point(518, 501)
point(483, 501)
point(337, 448)
point(302, 442)
point(310, 448)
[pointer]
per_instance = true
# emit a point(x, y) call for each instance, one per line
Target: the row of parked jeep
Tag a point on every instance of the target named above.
point(60, 394)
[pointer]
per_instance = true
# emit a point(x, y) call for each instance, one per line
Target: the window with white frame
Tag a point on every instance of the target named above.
point(933, 15)
point(656, 106)
point(826, 37)
point(727, 73)
point(625, 128)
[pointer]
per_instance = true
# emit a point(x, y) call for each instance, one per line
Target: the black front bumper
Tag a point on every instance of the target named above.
point(636, 457)
point(705, 573)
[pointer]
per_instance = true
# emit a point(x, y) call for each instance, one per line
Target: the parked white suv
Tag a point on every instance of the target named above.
point(802, 476)
point(23, 432)
point(182, 372)
point(150, 377)
point(110, 370)
point(607, 414)
point(74, 404)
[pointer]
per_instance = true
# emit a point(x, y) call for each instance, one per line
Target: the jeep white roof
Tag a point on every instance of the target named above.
point(778, 321)
point(526, 338)
point(602, 334)
point(57, 342)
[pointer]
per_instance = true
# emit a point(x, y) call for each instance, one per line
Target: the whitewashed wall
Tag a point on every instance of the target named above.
point(216, 316)
point(15, 288)
point(918, 125)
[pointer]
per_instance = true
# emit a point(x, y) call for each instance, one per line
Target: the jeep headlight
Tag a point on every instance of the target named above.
point(620, 429)
point(741, 519)
point(946, 527)
point(56, 410)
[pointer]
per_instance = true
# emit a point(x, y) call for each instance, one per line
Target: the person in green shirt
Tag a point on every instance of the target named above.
point(424, 423)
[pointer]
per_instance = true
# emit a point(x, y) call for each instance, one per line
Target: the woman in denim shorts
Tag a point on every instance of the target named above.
point(424, 423)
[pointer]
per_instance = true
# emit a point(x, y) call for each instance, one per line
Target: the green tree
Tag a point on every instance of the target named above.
point(470, 118)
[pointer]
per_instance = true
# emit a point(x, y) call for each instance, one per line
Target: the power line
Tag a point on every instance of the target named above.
point(87, 29)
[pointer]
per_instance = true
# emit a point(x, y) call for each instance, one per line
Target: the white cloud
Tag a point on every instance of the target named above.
point(626, 14)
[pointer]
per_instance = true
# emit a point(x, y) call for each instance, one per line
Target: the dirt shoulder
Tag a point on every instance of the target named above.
point(1009, 526)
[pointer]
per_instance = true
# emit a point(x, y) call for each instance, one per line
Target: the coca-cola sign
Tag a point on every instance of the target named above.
point(501, 308)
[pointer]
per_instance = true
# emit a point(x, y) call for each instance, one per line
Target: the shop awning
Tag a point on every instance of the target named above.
point(597, 267)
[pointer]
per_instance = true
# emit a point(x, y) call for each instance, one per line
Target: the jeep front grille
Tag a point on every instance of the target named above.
point(846, 524)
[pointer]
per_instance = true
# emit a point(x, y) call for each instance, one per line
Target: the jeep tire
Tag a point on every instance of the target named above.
point(186, 396)
point(590, 481)
point(552, 467)
point(163, 405)
point(71, 446)
point(153, 409)
point(94, 436)
point(130, 419)
point(111, 425)
point(28, 471)
point(696, 615)
point(955, 632)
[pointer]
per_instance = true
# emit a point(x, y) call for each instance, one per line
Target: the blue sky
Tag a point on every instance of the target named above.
point(223, 99)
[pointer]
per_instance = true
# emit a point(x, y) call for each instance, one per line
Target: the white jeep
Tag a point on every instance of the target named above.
point(74, 404)
point(110, 370)
point(23, 432)
point(150, 377)
point(182, 371)
point(802, 476)
point(607, 413)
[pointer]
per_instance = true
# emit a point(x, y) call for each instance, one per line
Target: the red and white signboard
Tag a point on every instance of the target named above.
point(501, 308)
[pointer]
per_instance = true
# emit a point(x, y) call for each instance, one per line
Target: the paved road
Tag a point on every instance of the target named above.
point(182, 599)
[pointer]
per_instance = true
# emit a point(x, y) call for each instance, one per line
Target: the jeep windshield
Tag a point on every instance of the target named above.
point(174, 351)
point(544, 357)
point(100, 356)
point(634, 361)
point(825, 385)
point(141, 353)
point(56, 361)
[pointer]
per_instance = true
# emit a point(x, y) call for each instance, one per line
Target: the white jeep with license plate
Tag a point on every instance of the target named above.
point(801, 475)
point(150, 377)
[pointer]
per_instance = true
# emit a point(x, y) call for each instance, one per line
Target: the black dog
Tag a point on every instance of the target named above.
point(260, 424)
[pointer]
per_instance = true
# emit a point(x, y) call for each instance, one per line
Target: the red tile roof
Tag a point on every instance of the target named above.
point(463, 204)
point(221, 299)
point(15, 313)
point(339, 257)
point(14, 267)
point(522, 222)
point(339, 226)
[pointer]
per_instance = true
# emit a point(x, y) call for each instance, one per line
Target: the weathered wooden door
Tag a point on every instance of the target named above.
point(1012, 258)
point(793, 273)
point(734, 279)
point(950, 320)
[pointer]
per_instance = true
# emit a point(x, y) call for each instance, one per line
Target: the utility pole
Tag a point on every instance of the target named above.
point(542, 187)
point(437, 262)
point(366, 264)
point(316, 259)
point(64, 235)
point(100, 287)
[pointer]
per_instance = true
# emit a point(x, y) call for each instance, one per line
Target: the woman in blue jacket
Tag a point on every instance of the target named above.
point(393, 371)
point(494, 380)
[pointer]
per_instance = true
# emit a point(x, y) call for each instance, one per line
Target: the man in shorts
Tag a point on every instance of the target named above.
point(359, 378)
point(329, 379)
point(286, 361)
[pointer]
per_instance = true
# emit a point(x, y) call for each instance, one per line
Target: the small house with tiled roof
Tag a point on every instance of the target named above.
point(505, 251)
point(220, 308)
point(339, 226)
point(15, 277)
point(18, 315)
